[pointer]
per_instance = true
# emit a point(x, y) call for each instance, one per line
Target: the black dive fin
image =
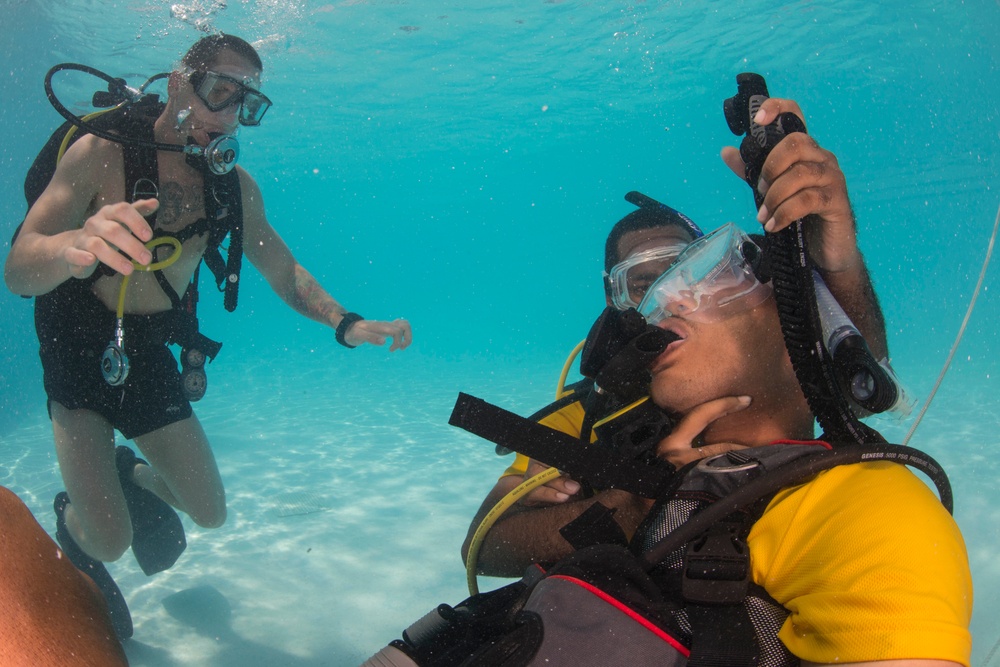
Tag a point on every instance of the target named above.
point(157, 533)
point(121, 618)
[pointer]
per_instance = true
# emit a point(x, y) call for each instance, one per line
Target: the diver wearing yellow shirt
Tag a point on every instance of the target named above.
point(865, 561)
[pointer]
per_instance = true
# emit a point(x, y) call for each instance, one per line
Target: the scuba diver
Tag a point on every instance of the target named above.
point(641, 246)
point(744, 541)
point(110, 249)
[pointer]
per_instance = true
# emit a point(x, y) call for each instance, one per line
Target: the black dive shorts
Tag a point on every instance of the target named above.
point(71, 350)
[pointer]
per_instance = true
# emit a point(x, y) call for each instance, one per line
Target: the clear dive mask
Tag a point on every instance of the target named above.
point(220, 91)
point(710, 280)
point(629, 279)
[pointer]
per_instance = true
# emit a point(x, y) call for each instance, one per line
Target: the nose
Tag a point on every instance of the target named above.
point(680, 304)
point(228, 116)
point(674, 304)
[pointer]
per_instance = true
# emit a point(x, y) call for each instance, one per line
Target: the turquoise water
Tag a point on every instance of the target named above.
point(460, 166)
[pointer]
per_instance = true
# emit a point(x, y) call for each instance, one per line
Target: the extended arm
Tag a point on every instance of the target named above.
point(296, 286)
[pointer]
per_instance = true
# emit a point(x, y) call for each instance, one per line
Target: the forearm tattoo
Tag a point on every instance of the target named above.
point(312, 300)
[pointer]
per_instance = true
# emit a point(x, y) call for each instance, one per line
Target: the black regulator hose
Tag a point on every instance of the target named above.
point(218, 157)
point(118, 94)
point(799, 317)
point(791, 274)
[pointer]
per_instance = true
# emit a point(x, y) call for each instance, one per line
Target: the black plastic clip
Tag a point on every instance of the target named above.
point(717, 566)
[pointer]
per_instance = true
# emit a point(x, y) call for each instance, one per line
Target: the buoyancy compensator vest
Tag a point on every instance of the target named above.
point(679, 594)
point(130, 123)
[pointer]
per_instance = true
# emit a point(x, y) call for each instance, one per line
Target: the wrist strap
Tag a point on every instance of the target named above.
point(345, 324)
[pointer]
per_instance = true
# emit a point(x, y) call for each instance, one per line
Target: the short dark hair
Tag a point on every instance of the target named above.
point(205, 52)
point(643, 218)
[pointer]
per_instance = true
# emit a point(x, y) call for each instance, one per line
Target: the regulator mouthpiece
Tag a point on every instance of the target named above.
point(217, 158)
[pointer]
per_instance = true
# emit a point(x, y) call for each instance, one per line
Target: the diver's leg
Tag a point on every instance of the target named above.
point(92, 520)
point(183, 472)
point(52, 615)
point(97, 518)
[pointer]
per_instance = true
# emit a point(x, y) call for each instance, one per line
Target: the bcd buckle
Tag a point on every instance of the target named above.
point(717, 566)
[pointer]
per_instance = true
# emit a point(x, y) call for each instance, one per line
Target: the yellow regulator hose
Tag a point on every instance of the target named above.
point(155, 266)
point(491, 517)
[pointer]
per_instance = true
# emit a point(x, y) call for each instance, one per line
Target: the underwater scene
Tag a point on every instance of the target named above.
point(459, 165)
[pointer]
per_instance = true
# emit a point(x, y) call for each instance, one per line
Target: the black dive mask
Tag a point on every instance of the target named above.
point(220, 91)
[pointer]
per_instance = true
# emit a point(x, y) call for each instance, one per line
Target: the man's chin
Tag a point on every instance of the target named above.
point(674, 405)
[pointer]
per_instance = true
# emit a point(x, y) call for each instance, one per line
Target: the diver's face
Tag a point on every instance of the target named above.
point(648, 239)
point(741, 355)
point(202, 122)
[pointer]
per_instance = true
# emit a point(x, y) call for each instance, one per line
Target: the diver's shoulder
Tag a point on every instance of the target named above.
point(879, 485)
point(245, 177)
point(90, 151)
point(858, 503)
point(248, 185)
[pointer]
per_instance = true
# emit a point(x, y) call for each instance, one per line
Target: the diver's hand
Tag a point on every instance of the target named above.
point(678, 447)
point(553, 492)
point(375, 332)
point(114, 235)
point(800, 179)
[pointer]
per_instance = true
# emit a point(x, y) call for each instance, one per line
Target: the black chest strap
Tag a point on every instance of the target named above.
point(714, 585)
point(224, 203)
point(223, 207)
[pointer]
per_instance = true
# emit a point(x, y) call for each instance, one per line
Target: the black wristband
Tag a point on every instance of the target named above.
point(345, 324)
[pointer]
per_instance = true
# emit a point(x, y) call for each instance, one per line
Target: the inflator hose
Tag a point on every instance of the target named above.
point(800, 325)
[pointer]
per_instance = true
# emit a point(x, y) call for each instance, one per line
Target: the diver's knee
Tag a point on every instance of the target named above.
point(210, 517)
point(110, 547)
point(104, 540)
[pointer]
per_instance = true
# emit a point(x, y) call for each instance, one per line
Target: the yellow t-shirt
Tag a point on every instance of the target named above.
point(869, 565)
point(864, 557)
